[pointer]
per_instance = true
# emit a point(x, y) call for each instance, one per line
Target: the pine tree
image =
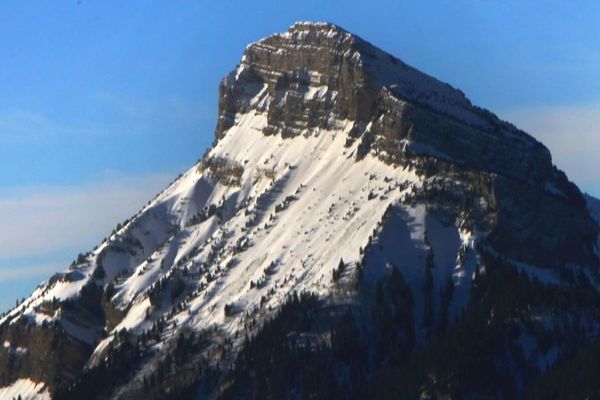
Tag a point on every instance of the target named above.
point(337, 272)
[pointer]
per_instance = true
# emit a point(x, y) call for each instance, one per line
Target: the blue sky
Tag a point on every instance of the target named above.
point(103, 103)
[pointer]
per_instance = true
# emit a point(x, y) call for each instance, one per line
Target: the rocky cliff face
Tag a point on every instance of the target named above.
point(402, 212)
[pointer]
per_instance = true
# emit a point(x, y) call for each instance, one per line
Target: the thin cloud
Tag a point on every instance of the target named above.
point(572, 133)
point(28, 125)
point(148, 114)
point(114, 113)
point(34, 271)
point(40, 221)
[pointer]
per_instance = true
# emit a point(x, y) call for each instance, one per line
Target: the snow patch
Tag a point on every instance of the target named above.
point(27, 389)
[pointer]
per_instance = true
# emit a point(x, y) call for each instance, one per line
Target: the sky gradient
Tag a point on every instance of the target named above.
point(103, 103)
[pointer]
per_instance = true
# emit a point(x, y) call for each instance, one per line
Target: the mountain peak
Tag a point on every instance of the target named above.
point(317, 73)
point(340, 172)
point(315, 32)
point(317, 77)
point(323, 59)
point(316, 26)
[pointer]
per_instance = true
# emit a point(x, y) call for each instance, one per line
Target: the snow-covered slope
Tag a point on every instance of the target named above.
point(295, 211)
point(26, 390)
point(349, 159)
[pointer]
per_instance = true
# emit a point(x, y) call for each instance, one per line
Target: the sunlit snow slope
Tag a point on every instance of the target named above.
point(297, 207)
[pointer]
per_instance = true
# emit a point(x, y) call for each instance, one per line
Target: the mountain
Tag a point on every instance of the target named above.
point(358, 229)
